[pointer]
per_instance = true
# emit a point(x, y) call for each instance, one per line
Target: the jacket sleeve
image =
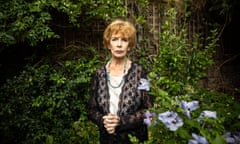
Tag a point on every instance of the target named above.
point(94, 113)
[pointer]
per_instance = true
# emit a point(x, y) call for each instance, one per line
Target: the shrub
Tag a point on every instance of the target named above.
point(183, 112)
point(46, 104)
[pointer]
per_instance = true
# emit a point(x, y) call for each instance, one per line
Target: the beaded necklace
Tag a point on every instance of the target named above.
point(108, 74)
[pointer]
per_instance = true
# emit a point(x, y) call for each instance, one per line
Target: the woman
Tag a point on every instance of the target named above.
point(120, 89)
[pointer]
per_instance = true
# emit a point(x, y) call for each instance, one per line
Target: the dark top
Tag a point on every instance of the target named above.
point(131, 109)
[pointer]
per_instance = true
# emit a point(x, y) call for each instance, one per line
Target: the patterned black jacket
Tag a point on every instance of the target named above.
point(134, 100)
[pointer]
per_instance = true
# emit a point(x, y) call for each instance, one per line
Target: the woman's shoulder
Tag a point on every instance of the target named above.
point(138, 69)
point(136, 65)
point(100, 69)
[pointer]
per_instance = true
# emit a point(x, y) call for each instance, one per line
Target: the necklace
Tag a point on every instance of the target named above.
point(108, 74)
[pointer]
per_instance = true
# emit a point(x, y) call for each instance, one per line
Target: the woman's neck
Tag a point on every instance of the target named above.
point(118, 61)
point(117, 67)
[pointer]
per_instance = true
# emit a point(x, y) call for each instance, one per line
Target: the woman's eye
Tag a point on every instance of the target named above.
point(122, 39)
point(114, 39)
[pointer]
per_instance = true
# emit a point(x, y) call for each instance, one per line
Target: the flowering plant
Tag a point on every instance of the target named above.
point(182, 120)
point(171, 120)
point(184, 112)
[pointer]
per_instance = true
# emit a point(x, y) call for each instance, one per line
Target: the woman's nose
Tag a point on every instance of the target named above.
point(119, 43)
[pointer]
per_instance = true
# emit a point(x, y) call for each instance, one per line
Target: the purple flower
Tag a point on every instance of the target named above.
point(144, 84)
point(171, 120)
point(229, 138)
point(197, 139)
point(149, 116)
point(189, 106)
point(208, 114)
point(232, 138)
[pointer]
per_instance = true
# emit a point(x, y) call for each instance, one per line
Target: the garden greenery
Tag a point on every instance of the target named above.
point(183, 112)
point(33, 21)
point(47, 104)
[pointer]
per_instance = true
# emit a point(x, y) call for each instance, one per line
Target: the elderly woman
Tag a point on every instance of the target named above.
point(120, 88)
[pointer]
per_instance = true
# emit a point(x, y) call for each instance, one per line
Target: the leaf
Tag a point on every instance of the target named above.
point(219, 140)
point(49, 139)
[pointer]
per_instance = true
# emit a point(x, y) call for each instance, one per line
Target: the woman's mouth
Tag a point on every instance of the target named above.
point(119, 51)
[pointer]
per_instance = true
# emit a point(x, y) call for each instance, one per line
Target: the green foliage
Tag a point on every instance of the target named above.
point(180, 62)
point(176, 69)
point(20, 21)
point(84, 131)
point(223, 7)
point(107, 9)
point(213, 130)
point(142, 53)
point(227, 107)
point(48, 104)
point(32, 21)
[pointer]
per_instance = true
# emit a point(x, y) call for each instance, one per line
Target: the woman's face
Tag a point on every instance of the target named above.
point(118, 46)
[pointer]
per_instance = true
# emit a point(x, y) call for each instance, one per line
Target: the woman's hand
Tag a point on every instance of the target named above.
point(110, 122)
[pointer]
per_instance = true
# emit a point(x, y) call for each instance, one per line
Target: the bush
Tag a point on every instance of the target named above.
point(46, 104)
point(183, 112)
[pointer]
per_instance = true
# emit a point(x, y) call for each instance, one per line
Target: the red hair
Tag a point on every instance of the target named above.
point(125, 28)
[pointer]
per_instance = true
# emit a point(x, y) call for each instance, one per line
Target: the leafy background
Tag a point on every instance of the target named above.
point(45, 99)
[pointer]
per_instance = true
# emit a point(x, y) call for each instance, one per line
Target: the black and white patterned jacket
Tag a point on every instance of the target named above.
point(134, 100)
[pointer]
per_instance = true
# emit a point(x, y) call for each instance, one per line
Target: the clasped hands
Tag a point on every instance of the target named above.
point(110, 122)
